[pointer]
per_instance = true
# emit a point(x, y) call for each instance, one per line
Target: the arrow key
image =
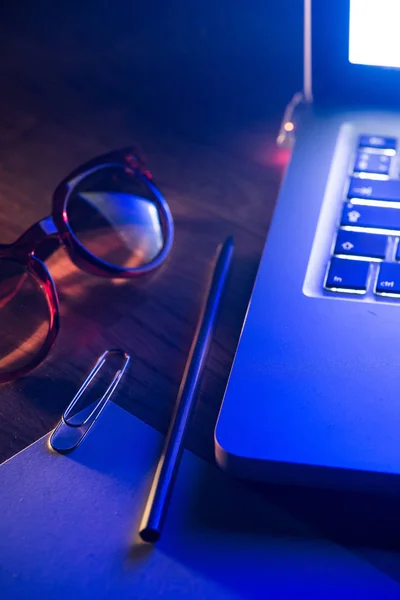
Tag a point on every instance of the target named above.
point(369, 245)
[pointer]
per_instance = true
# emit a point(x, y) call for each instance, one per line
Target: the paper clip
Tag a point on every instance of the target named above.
point(76, 424)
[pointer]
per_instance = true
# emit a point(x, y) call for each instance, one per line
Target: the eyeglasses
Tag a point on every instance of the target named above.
point(112, 221)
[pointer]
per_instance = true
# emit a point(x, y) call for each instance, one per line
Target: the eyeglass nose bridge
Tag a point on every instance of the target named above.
point(42, 239)
point(49, 241)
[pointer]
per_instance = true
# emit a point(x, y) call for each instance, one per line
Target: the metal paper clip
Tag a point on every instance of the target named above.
point(76, 424)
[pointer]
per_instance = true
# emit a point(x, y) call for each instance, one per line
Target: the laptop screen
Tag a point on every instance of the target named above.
point(374, 33)
point(356, 52)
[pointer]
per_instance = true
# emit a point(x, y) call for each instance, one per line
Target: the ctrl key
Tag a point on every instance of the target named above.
point(388, 282)
point(347, 276)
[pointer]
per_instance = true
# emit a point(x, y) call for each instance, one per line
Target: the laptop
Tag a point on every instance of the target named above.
point(313, 396)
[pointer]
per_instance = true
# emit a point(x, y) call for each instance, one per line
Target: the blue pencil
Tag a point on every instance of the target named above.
point(168, 465)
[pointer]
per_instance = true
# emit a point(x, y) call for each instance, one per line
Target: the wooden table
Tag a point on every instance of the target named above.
point(63, 101)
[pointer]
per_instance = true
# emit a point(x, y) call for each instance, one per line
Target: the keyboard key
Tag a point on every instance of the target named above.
point(348, 275)
point(372, 163)
point(375, 141)
point(388, 281)
point(371, 217)
point(375, 189)
point(349, 243)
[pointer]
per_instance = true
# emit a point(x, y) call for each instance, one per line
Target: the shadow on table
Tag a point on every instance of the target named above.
point(365, 524)
point(354, 519)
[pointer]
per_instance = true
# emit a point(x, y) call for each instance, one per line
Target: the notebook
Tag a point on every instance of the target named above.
point(68, 530)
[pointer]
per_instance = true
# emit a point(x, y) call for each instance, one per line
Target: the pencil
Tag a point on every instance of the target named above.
point(168, 465)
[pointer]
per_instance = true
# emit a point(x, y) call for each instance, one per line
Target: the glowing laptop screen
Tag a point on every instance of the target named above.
point(374, 33)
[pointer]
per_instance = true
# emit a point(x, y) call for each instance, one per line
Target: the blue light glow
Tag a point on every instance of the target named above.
point(374, 33)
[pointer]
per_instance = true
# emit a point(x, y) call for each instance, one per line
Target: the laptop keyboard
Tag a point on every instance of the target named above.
point(369, 229)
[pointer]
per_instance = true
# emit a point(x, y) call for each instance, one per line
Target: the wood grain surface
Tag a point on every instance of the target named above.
point(72, 88)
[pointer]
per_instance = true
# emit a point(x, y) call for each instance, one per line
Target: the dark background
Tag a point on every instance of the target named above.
point(175, 62)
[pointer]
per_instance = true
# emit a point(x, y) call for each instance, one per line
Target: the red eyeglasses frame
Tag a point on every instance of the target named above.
point(44, 237)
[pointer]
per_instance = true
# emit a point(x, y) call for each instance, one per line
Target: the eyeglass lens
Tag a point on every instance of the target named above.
point(113, 215)
point(24, 316)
